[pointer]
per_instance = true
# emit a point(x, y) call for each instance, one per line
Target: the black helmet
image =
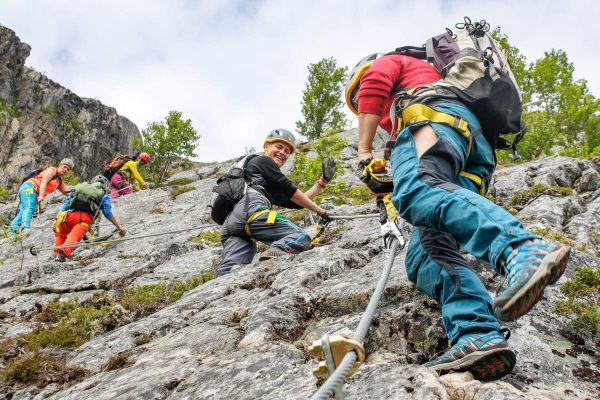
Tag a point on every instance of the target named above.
point(103, 181)
point(282, 135)
point(353, 83)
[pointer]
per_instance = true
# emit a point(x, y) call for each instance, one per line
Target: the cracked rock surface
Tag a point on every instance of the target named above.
point(246, 335)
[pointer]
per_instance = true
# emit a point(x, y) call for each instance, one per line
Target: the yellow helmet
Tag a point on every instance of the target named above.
point(353, 83)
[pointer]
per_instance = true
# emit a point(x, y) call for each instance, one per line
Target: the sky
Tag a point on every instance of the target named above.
point(237, 68)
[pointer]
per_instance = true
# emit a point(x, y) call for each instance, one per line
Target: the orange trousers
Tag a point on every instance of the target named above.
point(70, 228)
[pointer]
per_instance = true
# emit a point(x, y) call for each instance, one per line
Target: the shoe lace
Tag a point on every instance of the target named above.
point(506, 332)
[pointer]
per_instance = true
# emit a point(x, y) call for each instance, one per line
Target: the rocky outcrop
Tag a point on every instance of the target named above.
point(42, 122)
point(245, 335)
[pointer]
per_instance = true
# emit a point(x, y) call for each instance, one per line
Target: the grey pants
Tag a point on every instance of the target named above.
point(238, 248)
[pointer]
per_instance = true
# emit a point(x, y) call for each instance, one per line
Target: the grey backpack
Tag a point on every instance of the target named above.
point(476, 71)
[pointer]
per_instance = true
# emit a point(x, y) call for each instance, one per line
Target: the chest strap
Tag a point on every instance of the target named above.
point(270, 220)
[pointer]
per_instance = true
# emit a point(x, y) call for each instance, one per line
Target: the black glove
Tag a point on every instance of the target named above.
point(377, 182)
point(360, 170)
point(325, 217)
point(328, 169)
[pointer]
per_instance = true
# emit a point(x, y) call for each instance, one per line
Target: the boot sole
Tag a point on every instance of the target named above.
point(485, 365)
point(550, 271)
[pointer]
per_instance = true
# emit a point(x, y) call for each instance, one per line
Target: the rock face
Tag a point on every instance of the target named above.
point(245, 335)
point(42, 122)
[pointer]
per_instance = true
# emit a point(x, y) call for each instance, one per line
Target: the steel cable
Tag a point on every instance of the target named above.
point(337, 378)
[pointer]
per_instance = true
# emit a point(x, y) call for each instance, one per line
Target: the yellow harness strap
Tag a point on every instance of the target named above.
point(416, 113)
point(476, 179)
point(60, 219)
point(391, 210)
point(253, 217)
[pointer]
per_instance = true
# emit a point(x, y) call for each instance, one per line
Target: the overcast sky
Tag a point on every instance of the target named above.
point(237, 68)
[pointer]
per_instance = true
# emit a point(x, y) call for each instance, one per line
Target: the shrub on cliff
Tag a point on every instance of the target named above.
point(166, 142)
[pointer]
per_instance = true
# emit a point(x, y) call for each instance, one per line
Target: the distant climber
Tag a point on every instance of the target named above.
point(79, 211)
point(124, 175)
point(252, 218)
point(441, 171)
point(36, 186)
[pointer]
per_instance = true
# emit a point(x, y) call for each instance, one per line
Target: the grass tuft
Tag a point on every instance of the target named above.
point(179, 190)
point(207, 237)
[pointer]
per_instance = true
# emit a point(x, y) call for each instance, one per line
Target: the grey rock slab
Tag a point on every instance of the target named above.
point(551, 211)
point(275, 372)
point(396, 382)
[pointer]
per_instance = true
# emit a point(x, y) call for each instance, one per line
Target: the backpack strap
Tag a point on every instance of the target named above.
point(412, 51)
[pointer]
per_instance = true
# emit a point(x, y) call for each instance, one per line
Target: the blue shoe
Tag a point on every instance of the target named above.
point(531, 267)
point(486, 355)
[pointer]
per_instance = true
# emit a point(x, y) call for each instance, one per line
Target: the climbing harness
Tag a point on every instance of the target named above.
point(344, 355)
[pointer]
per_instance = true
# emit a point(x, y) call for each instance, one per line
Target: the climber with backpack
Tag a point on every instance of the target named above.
point(123, 174)
point(243, 199)
point(445, 120)
point(78, 213)
point(35, 187)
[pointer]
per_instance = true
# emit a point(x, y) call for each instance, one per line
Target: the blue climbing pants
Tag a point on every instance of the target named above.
point(242, 229)
point(27, 206)
point(449, 214)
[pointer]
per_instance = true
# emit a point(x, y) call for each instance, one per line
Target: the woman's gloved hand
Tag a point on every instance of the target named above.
point(328, 169)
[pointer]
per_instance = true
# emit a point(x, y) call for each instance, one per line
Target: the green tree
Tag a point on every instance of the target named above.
point(560, 114)
point(308, 170)
point(166, 142)
point(322, 99)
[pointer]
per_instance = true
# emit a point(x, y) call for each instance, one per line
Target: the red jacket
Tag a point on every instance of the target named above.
point(387, 76)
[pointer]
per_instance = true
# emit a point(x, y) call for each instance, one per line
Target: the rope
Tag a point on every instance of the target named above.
point(358, 216)
point(86, 244)
point(337, 378)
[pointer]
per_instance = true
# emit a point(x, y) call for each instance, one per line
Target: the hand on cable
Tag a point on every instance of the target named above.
point(325, 217)
point(374, 174)
point(328, 169)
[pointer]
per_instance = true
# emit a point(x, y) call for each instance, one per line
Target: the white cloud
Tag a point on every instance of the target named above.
point(237, 68)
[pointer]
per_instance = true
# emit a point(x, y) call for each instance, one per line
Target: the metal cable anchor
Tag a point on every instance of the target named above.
point(333, 349)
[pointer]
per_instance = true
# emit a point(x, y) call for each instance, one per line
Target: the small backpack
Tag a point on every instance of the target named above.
point(115, 165)
point(476, 71)
point(87, 197)
point(229, 190)
point(35, 172)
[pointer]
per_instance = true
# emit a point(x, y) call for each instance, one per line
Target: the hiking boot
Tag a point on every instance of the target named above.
point(486, 355)
point(531, 267)
point(60, 257)
point(25, 232)
point(272, 252)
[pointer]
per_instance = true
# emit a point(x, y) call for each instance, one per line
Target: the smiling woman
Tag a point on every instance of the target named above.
point(252, 218)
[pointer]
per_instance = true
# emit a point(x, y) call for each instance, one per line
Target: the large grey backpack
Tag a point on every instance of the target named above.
point(476, 71)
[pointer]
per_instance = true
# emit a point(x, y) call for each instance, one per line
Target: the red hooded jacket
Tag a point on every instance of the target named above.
point(387, 76)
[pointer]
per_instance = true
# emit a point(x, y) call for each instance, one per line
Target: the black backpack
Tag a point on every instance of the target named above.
point(229, 190)
point(35, 172)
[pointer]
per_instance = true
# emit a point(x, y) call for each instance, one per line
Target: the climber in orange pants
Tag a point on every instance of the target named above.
point(70, 227)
